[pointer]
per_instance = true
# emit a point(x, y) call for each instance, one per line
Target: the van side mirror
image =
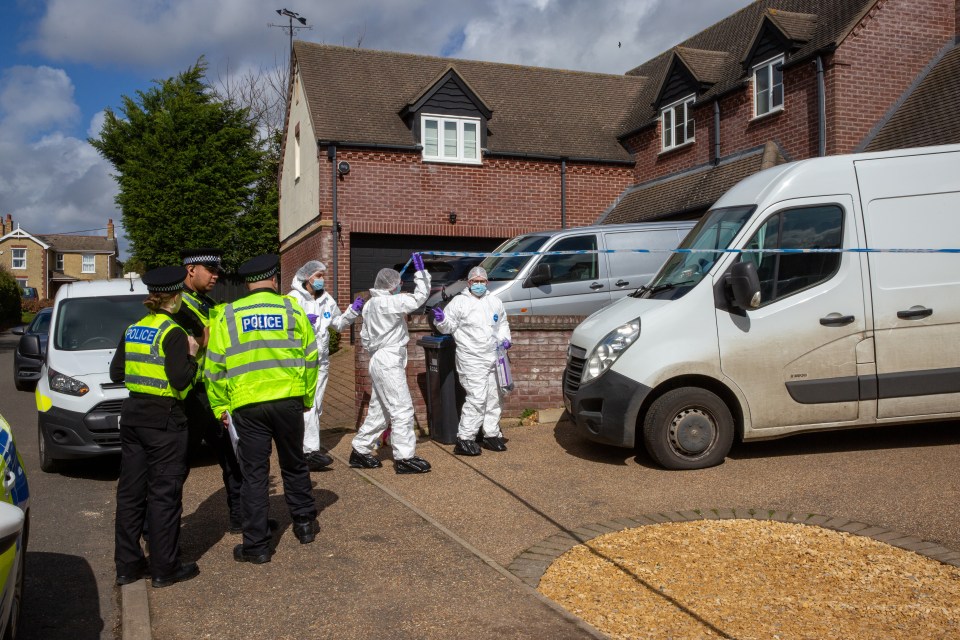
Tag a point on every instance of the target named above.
point(30, 347)
point(542, 274)
point(744, 285)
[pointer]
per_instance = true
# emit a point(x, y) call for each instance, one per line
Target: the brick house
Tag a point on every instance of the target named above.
point(400, 152)
point(46, 261)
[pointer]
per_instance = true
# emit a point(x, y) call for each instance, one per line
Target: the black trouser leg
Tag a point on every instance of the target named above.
point(202, 420)
point(131, 502)
point(287, 418)
point(167, 468)
point(254, 432)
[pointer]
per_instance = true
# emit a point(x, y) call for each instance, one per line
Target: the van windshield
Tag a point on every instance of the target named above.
point(507, 268)
point(682, 271)
point(85, 324)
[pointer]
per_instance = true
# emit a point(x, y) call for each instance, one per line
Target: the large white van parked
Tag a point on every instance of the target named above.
point(577, 284)
point(763, 345)
point(78, 406)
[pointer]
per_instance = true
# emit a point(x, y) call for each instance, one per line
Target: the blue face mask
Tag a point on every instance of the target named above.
point(318, 284)
point(478, 289)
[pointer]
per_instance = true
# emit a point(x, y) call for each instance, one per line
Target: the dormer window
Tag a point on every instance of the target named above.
point(447, 139)
point(768, 87)
point(676, 123)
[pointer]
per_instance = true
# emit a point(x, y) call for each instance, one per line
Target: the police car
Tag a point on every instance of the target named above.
point(14, 530)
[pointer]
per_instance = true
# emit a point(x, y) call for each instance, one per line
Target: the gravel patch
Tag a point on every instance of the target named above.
point(753, 579)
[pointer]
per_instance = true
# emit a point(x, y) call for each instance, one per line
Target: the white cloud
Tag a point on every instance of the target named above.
point(36, 99)
point(49, 182)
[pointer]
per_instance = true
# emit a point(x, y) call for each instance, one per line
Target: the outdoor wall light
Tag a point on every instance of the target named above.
point(452, 217)
point(343, 167)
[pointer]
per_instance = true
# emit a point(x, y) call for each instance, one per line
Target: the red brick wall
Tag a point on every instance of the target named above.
point(537, 360)
point(870, 70)
point(879, 60)
point(396, 192)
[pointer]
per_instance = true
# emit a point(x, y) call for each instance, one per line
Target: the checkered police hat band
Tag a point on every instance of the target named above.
point(167, 288)
point(207, 259)
point(257, 277)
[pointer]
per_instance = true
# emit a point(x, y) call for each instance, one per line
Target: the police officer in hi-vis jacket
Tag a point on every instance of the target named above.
point(155, 360)
point(261, 370)
point(203, 271)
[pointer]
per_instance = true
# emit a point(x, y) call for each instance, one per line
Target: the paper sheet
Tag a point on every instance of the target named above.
point(234, 438)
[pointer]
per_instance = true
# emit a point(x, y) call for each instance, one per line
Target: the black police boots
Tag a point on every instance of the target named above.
point(466, 448)
point(411, 465)
point(184, 572)
point(304, 530)
point(135, 574)
point(241, 556)
point(317, 460)
point(494, 444)
point(363, 460)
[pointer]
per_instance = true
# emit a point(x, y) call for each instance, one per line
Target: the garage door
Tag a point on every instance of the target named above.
point(371, 252)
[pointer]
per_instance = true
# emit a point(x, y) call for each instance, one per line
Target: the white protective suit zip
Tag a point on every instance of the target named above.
point(328, 315)
point(478, 325)
point(384, 335)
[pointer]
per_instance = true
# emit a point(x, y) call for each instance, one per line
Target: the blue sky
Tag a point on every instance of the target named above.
point(62, 62)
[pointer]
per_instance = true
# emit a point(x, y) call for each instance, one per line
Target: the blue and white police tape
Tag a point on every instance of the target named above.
point(575, 252)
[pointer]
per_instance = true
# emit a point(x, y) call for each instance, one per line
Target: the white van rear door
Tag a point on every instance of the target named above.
point(795, 357)
point(579, 283)
point(630, 270)
point(913, 202)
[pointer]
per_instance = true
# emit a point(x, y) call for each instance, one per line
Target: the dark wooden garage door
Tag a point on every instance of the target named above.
point(371, 252)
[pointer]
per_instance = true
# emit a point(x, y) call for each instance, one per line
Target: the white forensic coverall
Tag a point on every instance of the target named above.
point(328, 315)
point(478, 325)
point(384, 335)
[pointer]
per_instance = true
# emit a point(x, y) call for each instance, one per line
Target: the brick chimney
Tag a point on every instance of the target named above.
point(110, 229)
point(7, 224)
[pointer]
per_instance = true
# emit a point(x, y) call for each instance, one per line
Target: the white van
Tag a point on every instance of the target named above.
point(78, 406)
point(577, 284)
point(762, 345)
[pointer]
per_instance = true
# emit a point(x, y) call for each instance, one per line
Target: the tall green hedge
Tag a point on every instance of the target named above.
point(9, 300)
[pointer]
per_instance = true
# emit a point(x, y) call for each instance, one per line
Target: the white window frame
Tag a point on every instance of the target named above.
point(460, 157)
point(22, 258)
point(23, 283)
point(766, 67)
point(84, 268)
point(669, 128)
point(59, 263)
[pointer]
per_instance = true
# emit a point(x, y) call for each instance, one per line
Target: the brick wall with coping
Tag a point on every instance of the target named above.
point(537, 360)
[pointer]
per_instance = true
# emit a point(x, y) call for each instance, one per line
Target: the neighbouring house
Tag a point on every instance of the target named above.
point(47, 261)
point(387, 153)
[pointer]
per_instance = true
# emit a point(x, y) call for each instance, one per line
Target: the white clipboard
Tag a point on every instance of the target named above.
point(234, 438)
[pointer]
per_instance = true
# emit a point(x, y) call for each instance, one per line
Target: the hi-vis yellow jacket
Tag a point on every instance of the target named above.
point(261, 348)
point(144, 370)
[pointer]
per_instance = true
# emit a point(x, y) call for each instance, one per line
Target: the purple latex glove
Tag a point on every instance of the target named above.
point(506, 344)
point(418, 262)
point(357, 304)
point(312, 317)
point(438, 314)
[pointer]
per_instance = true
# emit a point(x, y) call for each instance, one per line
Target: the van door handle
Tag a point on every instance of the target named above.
point(596, 285)
point(915, 312)
point(622, 283)
point(836, 320)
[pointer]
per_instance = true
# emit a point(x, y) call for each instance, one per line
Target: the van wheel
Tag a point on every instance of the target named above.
point(688, 428)
point(47, 464)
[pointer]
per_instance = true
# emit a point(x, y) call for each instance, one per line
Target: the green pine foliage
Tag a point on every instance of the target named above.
point(9, 300)
point(191, 172)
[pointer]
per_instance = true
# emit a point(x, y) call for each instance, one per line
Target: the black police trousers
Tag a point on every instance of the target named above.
point(153, 466)
point(257, 424)
point(202, 421)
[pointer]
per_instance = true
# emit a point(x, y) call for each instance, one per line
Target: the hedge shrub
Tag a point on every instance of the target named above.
point(9, 300)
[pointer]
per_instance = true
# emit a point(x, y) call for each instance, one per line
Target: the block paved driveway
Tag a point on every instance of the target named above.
point(414, 556)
